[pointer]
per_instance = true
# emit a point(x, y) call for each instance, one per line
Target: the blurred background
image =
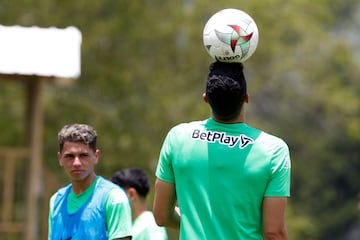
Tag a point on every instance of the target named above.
point(143, 70)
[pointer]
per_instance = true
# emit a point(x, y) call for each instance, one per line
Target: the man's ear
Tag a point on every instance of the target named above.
point(131, 192)
point(59, 158)
point(247, 98)
point(204, 97)
point(97, 155)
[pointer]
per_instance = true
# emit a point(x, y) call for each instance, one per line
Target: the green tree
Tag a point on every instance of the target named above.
point(144, 69)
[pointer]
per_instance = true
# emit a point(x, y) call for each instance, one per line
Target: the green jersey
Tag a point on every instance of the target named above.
point(145, 228)
point(221, 173)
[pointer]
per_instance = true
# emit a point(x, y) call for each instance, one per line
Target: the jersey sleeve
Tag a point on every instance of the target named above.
point(279, 183)
point(118, 214)
point(164, 170)
point(51, 206)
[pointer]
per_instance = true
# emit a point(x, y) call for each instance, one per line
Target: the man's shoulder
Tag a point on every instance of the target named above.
point(146, 216)
point(101, 182)
point(271, 138)
point(61, 191)
point(116, 195)
point(108, 191)
point(145, 227)
point(188, 125)
point(271, 143)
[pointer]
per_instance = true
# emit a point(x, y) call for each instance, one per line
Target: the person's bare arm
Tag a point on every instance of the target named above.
point(164, 205)
point(274, 218)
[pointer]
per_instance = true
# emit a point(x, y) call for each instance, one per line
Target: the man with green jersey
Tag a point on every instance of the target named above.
point(90, 207)
point(230, 180)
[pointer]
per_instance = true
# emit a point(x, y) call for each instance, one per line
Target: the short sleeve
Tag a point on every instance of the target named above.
point(164, 170)
point(51, 207)
point(118, 214)
point(279, 183)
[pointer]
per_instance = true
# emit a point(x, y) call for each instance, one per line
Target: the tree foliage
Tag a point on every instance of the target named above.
point(144, 69)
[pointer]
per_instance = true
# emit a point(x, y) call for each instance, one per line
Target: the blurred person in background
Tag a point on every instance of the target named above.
point(136, 185)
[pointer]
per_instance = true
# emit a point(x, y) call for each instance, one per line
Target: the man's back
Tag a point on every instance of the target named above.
point(223, 172)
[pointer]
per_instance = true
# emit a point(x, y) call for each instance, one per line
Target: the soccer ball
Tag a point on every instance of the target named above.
point(230, 35)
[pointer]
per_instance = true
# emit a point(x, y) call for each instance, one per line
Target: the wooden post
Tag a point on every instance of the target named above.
point(8, 188)
point(35, 131)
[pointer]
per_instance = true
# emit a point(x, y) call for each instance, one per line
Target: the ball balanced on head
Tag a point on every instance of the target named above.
point(230, 35)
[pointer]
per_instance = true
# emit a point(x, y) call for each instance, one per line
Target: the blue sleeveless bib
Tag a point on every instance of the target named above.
point(88, 222)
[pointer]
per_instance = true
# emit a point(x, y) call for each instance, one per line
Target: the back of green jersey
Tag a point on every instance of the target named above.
point(222, 173)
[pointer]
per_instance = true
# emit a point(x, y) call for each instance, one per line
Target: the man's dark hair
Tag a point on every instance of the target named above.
point(132, 178)
point(82, 133)
point(226, 89)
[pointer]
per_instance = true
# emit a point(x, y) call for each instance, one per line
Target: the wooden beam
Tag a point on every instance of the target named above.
point(26, 78)
point(14, 152)
point(35, 121)
point(8, 188)
point(8, 157)
point(10, 227)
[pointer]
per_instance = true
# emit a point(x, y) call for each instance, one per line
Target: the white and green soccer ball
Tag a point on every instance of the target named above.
point(231, 35)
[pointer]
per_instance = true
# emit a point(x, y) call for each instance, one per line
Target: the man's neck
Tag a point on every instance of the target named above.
point(138, 209)
point(239, 119)
point(80, 186)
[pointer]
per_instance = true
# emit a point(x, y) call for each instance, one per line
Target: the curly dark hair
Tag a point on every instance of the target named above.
point(82, 133)
point(226, 89)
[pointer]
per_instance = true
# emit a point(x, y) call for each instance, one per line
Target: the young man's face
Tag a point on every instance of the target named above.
point(78, 160)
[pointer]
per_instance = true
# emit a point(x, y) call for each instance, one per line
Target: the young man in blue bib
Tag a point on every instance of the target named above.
point(90, 207)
